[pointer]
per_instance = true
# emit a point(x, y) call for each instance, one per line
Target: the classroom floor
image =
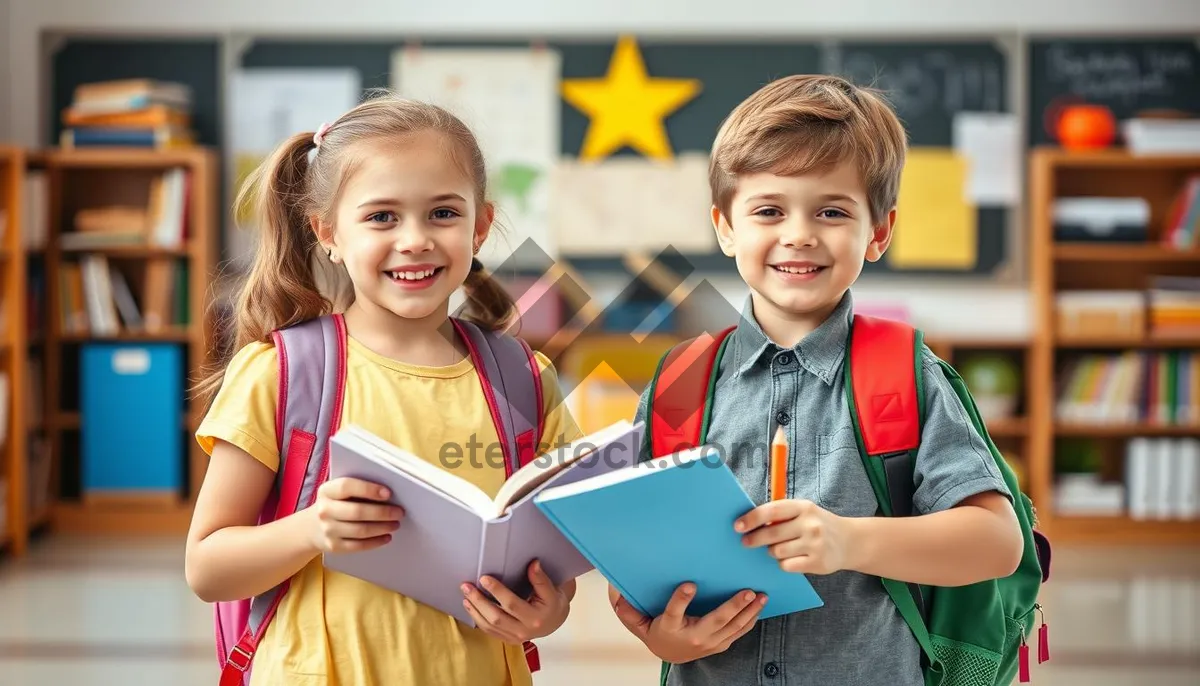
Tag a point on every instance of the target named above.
point(118, 613)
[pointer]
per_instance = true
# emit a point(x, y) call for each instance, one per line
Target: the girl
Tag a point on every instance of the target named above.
point(394, 200)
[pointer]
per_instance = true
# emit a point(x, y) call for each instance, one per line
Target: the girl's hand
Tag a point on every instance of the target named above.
point(805, 538)
point(513, 620)
point(352, 515)
point(677, 637)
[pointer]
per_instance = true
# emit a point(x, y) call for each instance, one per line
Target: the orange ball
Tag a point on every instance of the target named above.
point(1086, 127)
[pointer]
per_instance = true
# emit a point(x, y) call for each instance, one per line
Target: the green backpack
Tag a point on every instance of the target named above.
point(969, 635)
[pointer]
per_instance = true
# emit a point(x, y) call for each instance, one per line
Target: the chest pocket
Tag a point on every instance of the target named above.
point(844, 488)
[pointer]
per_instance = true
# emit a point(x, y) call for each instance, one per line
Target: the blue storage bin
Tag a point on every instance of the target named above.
point(131, 408)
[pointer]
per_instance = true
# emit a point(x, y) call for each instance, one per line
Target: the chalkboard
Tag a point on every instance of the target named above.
point(728, 71)
point(192, 61)
point(928, 83)
point(1126, 75)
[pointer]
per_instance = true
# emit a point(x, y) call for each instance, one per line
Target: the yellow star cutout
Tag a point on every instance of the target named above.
point(627, 107)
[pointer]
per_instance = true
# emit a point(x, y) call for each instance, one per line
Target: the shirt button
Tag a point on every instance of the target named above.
point(785, 359)
point(783, 417)
point(771, 670)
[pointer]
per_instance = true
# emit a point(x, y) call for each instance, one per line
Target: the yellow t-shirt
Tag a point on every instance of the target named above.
point(333, 629)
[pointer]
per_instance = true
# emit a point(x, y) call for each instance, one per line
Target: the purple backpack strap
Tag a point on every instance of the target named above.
point(312, 380)
point(512, 384)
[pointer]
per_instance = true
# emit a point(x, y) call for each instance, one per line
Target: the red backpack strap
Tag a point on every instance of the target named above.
point(883, 385)
point(679, 405)
point(887, 405)
point(312, 381)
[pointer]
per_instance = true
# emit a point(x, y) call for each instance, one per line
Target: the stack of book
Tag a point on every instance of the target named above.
point(1174, 307)
point(132, 113)
point(161, 222)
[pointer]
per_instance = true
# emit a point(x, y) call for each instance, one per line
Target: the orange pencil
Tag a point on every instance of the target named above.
point(779, 468)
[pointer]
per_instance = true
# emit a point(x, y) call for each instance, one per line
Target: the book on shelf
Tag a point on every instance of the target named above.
point(454, 533)
point(161, 223)
point(1136, 386)
point(1162, 478)
point(97, 298)
point(1182, 227)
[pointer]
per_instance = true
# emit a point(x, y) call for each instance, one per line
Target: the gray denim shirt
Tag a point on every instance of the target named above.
point(858, 638)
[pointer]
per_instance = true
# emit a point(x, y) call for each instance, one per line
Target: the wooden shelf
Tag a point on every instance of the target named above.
point(1058, 265)
point(129, 251)
point(1122, 253)
point(14, 452)
point(1098, 430)
point(1114, 158)
point(1121, 530)
point(125, 158)
point(124, 519)
point(92, 177)
point(165, 336)
point(1121, 342)
point(1008, 428)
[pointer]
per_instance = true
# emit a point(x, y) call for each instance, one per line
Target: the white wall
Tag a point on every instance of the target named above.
point(943, 307)
point(5, 71)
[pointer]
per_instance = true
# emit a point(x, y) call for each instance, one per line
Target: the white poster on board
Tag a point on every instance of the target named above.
point(267, 106)
point(990, 141)
point(509, 98)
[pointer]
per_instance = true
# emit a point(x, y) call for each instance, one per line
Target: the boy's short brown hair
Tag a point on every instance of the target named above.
point(805, 123)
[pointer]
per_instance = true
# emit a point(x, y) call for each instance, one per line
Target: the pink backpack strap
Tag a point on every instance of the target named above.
point(312, 381)
point(512, 384)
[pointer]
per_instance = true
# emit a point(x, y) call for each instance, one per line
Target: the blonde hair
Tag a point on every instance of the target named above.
point(804, 123)
point(285, 191)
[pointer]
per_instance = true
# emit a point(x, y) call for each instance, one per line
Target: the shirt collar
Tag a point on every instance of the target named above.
point(820, 352)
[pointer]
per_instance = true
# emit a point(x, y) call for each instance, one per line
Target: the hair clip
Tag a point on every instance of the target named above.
point(319, 136)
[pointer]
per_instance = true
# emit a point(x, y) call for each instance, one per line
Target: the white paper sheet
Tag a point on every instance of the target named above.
point(509, 98)
point(990, 142)
point(267, 106)
point(632, 203)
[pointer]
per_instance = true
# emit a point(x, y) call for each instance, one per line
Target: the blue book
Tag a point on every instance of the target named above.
point(653, 526)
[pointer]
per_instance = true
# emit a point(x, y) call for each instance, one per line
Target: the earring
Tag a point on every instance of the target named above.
point(333, 258)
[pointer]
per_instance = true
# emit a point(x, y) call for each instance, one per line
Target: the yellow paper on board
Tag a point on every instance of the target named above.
point(936, 225)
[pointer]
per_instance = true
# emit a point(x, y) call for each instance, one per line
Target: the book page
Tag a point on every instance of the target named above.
point(675, 460)
point(542, 468)
point(456, 487)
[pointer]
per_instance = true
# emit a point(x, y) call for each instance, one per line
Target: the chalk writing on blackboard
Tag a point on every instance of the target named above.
point(931, 80)
point(1121, 73)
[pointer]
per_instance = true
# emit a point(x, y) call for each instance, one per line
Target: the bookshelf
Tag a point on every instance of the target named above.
point(1061, 269)
point(166, 282)
point(14, 532)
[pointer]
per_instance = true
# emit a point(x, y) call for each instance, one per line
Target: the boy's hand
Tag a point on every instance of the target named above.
point(352, 515)
point(513, 620)
point(805, 538)
point(676, 637)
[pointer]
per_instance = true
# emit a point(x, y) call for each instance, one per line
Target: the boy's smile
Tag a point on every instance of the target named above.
point(799, 243)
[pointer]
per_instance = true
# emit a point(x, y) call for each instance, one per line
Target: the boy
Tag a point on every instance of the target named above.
point(804, 178)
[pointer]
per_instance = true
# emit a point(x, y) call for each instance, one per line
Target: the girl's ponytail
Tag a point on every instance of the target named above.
point(488, 304)
point(281, 288)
